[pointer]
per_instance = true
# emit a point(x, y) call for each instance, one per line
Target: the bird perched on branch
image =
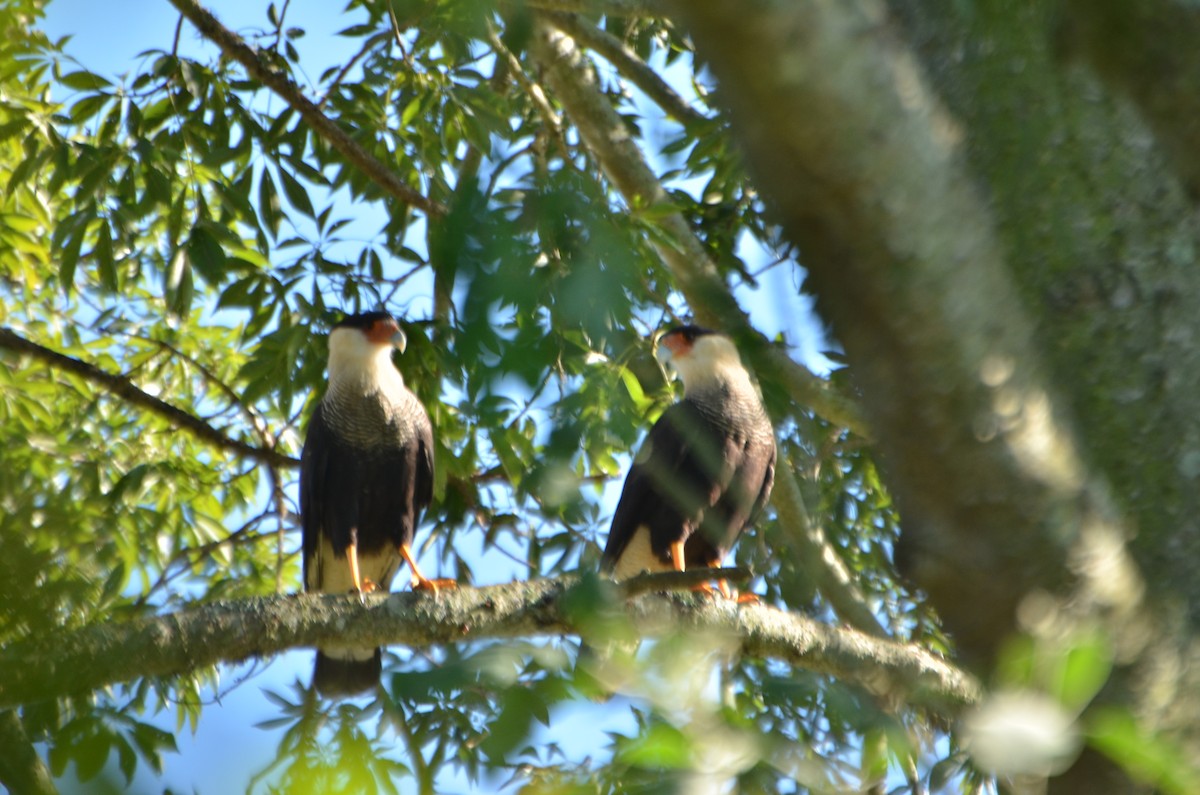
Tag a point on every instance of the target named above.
point(366, 476)
point(704, 471)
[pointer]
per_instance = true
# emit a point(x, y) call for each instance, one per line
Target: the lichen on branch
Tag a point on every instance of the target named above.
point(193, 638)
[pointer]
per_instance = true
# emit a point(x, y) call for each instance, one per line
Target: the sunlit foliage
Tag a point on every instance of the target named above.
point(181, 229)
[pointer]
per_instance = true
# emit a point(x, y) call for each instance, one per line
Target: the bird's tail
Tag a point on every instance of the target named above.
point(347, 672)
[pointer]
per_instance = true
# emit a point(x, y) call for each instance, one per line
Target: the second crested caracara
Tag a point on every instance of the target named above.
point(704, 471)
point(366, 476)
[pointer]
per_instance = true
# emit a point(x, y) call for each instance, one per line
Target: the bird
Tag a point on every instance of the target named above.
point(366, 477)
point(704, 471)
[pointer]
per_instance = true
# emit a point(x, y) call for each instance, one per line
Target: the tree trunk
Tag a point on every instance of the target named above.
point(1006, 253)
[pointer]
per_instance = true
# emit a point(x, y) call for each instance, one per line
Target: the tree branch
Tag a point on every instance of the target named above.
point(125, 389)
point(21, 769)
point(900, 247)
point(679, 580)
point(233, 46)
point(818, 558)
point(573, 81)
point(179, 642)
point(1148, 50)
point(614, 8)
point(633, 68)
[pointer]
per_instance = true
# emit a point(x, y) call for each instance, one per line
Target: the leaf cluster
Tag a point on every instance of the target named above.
point(182, 228)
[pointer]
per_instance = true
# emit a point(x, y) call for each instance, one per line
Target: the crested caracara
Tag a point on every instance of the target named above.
point(704, 471)
point(366, 475)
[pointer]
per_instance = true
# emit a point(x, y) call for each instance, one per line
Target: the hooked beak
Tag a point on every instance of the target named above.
point(400, 340)
point(663, 353)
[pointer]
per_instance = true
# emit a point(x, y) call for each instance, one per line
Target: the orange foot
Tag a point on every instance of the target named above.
point(724, 590)
point(364, 589)
point(435, 585)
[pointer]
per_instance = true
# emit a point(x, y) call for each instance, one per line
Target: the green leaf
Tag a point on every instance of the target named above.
point(296, 194)
point(1083, 669)
point(268, 204)
point(126, 759)
point(151, 741)
point(1145, 756)
point(87, 107)
point(661, 746)
point(511, 726)
point(179, 284)
point(19, 222)
point(84, 81)
point(205, 254)
point(634, 388)
point(73, 245)
point(90, 755)
point(410, 112)
point(106, 269)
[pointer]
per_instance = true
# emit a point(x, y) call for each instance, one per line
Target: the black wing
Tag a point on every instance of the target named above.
point(397, 488)
point(751, 457)
point(330, 478)
point(374, 497)
point(680, 472)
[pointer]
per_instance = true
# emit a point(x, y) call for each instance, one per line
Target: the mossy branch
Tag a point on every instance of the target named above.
point(176, 643)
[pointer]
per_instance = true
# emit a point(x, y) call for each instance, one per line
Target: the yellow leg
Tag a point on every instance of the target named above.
point(361, 585)
point(419, 581)
point(352, 557)
point(729, 593)
point(677, 562)
point(677, 555)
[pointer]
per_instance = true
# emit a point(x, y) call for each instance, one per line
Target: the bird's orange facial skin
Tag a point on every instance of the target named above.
point(677, 344)
point(382, 331)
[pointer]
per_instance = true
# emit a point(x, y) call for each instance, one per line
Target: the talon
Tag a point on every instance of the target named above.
point(368, 586)
point(748, 599)
point(434, 585)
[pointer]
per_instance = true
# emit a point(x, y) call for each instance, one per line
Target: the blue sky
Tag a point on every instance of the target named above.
point(107, 38)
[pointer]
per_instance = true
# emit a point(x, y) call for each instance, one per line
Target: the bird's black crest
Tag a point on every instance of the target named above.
point(363, 319)
point(690, 333)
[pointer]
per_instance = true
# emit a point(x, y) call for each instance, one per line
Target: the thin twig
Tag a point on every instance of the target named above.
point(532, 89)
point(368, 45)
point(375, 170)
point(124, 388)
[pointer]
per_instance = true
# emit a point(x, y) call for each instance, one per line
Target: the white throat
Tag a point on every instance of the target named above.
point(357, 363)
point(712, 360)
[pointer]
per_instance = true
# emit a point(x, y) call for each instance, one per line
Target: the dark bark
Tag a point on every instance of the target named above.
point(1005, 253)
point(1148, 51)
point(863, 168)
point(1100, 239)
